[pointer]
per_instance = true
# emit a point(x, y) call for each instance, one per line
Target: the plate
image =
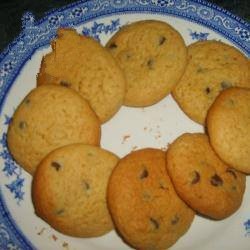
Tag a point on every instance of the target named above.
point(129, 129)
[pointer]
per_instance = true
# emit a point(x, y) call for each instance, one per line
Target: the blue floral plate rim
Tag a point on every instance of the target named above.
point(14, 57)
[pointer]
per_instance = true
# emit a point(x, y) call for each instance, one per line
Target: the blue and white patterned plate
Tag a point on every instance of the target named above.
point(154, 126)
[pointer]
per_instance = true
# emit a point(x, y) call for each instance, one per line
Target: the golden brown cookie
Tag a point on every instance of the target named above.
point(201, 179)
point(153, 56)
point(49, 117)
point(212, 67)
point(81, 63)
point(143, 203)
point(228, 125)
point(69, 190)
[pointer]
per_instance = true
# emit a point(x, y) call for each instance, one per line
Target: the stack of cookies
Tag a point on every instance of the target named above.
point(150, 196)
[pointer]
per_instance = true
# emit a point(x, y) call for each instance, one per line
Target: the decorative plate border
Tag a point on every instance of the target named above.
point(11, 237)
point(36, 34)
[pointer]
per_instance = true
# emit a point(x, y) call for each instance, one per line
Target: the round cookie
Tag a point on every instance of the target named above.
point(143, 203)
point(228, 125)
point(153, 57)
point(212, 67)
point(201, 179)
point(49, 117)
point(69, 190)
point(81, 63)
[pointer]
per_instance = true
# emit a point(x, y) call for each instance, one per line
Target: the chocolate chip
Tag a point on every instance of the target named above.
point(144, 174)
point(232, 172)
point(162, 40)
point(146, 196)
point(231, 102)
point(27, 101)
point(208, 90)
point(195, 177)
point(22, 125)
point(86, 185)
point(200, 70)
point(234, 188)
point(65, 84)
point(55, 165)
point(175, 220)
point(216, 180)
point(150, 63)
point(163, 185)
point(154, 223)
point(60, 212)
point(225, 84)
point(128, 55)
point(112, 46)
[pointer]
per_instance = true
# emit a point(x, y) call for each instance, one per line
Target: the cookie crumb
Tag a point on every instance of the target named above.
point(41, 231)
point(125, 137)
point(54, 237)
point(65, 244)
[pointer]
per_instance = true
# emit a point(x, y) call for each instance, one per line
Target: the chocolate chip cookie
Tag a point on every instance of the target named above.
point(143, 203)
point(69, 190)
point(49, 117)
point(202, 179)
point(153, 56)
point(81, 63)
point(228, 126)
point(212, 67)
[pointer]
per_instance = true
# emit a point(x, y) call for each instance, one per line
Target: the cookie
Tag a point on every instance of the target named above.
point(69, 190)
point(81, 63)
point(153, 56)
point(201, 179)
point(228, 126)
point(212, 67)
point(49, 117)
point(144, 206)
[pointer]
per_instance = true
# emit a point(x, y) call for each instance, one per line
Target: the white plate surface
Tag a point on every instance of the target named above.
point(129, 129)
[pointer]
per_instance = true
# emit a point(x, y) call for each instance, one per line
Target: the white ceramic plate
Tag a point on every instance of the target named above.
point(130, 129)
